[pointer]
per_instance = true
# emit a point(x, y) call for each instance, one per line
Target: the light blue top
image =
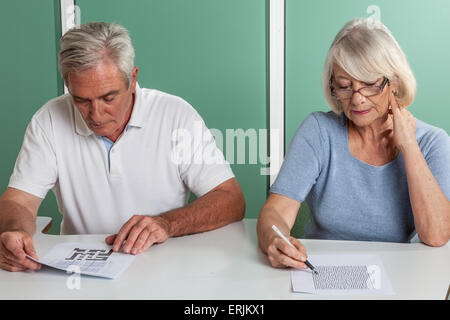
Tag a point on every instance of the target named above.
point(348, 198)
point(109, 144)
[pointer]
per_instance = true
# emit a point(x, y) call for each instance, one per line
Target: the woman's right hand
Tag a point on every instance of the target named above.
point(282, 255)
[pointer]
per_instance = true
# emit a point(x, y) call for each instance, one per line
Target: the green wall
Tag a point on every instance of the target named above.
point(30, 78)
point(420, 27)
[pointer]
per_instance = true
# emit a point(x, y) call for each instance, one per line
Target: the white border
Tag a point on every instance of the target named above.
point(68, 19)
point(67, 15)
point(276, 85)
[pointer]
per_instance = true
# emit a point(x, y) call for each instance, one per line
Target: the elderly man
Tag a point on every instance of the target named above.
point(107, 152)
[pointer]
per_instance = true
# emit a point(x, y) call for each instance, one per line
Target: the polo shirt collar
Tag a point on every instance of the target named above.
point(136, 119)
point(80, 126)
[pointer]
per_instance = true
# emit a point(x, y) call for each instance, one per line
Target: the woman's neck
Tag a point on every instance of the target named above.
point(372, 144)
point(378, 134)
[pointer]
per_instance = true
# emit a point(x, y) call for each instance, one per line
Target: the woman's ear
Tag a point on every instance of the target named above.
point(394, 87)
point(394, 84)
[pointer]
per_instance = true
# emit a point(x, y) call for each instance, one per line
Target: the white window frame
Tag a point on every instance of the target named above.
point(276, 85)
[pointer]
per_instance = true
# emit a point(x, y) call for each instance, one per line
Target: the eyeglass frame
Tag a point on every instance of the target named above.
point(381, 87)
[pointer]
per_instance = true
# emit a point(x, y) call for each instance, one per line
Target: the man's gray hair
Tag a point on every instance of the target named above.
point(87, 45)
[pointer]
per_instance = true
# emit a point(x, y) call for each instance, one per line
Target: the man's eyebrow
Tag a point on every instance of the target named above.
point(79, 98)
point(109, 93)
point(99, 97)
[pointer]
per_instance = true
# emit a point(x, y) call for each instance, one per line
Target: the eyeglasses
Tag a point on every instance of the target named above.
point(342, 94)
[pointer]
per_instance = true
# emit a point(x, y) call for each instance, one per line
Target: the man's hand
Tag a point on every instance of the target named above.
point(140, 232)
point(14, 245)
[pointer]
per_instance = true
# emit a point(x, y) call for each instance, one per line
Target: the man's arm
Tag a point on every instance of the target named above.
point(18, 212)
point(220, 206)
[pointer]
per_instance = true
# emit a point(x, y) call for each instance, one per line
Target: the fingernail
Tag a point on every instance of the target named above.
point(302, 258)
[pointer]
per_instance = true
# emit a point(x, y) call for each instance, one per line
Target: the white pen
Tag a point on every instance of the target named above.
point(308, 264)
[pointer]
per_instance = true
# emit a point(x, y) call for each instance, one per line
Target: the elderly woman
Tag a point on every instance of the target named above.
point(368, 169)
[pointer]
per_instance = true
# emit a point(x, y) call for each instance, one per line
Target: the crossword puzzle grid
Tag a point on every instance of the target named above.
point(89, 260)
point(341, 277)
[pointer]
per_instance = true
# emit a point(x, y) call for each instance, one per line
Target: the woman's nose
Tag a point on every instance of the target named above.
point(357, 98)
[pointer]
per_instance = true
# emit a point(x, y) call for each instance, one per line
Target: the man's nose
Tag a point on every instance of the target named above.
point(95, 111)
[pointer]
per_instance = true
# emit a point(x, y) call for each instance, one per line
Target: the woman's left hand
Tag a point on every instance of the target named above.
point(404, 124)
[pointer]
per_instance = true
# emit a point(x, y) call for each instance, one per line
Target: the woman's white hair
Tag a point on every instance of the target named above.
point(367, 51)
point(88, 45)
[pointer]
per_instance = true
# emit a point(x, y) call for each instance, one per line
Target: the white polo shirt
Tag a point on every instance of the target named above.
point(144, 176)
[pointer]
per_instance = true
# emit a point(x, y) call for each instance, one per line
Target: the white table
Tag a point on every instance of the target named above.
point(225, 264)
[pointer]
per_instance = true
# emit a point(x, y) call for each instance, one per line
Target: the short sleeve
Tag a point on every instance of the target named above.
point(435, 146)
point(35, 169)
point(302, 164)
point(201, 163)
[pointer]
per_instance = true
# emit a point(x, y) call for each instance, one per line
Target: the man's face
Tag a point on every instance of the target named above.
point(102, 97)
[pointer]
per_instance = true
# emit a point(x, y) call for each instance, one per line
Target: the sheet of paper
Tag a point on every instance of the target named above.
point(347, 274)
point(94, 259)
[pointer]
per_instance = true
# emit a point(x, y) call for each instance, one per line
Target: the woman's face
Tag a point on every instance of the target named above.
point(361, 110)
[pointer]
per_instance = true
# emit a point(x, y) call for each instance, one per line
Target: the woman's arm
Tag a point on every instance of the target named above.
point(280, 211)
point(431, 208)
